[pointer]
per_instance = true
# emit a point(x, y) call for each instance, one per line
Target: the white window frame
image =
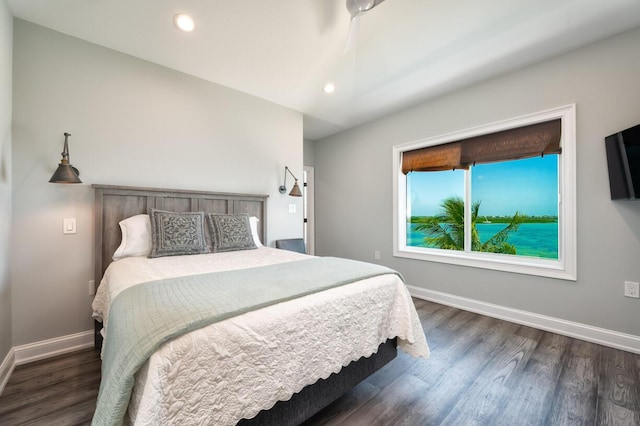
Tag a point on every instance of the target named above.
point(565, 267)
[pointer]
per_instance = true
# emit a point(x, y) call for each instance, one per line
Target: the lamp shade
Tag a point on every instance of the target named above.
point(295, 191)
point(65, 173)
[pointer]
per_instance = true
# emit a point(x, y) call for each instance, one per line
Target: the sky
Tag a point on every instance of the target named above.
point(528, 186)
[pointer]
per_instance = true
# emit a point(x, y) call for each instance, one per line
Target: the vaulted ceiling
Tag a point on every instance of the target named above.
point(285, 51)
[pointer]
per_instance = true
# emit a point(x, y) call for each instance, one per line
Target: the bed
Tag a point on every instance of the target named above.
point(276, 364)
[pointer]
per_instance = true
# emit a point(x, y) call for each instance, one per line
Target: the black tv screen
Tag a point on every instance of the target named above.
point(623, 159)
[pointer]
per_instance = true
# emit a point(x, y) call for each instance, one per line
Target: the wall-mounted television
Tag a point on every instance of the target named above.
point(623, 159)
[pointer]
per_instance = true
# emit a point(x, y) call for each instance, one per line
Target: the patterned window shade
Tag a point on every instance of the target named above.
point(513, 144)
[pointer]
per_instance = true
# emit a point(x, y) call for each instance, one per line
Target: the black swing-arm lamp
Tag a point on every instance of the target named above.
point(295, 191)
point(65, 173)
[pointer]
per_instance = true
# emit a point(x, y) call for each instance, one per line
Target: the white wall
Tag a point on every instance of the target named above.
point(6, 57)
point(602, 79)
point(132, 123)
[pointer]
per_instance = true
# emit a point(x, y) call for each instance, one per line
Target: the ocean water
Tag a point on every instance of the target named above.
point(531, 239)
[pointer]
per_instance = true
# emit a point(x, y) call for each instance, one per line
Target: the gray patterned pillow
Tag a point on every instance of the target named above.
point(230, 232)
point(174, 234)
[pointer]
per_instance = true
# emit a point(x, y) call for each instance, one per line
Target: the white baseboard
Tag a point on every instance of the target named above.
point(6, 368)
point(53, 347)
point(601, 336)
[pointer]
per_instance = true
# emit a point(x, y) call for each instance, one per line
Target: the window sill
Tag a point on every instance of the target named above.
point(506, 263)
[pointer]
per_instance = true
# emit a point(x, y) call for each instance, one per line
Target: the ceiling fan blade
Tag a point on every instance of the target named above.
point(356, 9)
point(352, 36)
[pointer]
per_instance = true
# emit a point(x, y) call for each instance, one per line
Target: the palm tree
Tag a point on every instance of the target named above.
point(446, 231)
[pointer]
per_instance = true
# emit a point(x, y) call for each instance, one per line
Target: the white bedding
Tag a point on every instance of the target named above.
point(233, 369)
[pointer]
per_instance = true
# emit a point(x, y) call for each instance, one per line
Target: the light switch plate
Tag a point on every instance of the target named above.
point(69, 226)
point(292, 208)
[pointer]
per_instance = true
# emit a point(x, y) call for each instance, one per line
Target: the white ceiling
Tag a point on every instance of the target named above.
point(286, 50)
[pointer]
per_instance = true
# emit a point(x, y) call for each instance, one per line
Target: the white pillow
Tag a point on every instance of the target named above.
point(136, 237)
point(253, 222)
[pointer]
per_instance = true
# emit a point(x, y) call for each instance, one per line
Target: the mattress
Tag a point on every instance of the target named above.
point(235, 368)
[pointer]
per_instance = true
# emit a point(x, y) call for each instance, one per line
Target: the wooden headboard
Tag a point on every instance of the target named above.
point(114, 203)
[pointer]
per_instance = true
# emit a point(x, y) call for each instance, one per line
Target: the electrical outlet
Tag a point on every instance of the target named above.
point(631, 289)
point(376, 255)
point(92, 288)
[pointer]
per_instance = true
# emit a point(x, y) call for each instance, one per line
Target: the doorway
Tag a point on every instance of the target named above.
point(308, 208)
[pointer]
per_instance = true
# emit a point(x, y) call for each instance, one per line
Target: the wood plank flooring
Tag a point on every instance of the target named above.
point(55, 391)
point(482, 371)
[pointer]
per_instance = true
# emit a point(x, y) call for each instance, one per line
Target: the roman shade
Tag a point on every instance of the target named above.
point(433, 158)
point(512, 144)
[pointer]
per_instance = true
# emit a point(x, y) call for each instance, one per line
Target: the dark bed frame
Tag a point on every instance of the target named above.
point(114, 203)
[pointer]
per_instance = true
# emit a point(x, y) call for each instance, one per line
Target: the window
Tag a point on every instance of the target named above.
point(499, 196)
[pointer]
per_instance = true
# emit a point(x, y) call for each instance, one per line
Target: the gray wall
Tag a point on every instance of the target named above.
point(132, 123)
point(602, 79)
point(6, 48)
point(309, 153)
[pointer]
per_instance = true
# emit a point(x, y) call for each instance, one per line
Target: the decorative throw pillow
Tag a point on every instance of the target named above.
point(175, 234)
point(136, 237)
point(230, 232)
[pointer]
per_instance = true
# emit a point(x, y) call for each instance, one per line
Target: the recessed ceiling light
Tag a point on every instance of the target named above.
point(329, 88)
point(184, 22)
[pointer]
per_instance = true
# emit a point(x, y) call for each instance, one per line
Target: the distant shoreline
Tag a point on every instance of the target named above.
point(536, 239)
point(494, 219)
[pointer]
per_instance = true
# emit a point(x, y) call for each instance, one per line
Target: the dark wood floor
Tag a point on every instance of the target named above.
point(55, 391)
point(482, 371)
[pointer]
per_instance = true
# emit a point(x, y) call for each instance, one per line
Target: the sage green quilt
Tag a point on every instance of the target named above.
point(145, 316)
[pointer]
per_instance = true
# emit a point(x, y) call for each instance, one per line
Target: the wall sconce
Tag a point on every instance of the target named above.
point(295, 191)
point(65, 173)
